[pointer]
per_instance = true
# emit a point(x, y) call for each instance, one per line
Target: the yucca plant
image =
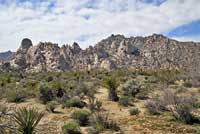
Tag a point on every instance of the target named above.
point(27, 119)
point(111, 84)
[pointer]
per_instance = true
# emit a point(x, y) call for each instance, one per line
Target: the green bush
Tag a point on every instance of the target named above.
point(74, 102)
point(134, 111)
point(130, 88)
point(82, 116)
point(71, 128)
point(27, 120)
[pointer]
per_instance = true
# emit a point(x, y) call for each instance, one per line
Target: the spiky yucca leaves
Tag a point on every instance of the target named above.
point(27, 119)
point(111, 84)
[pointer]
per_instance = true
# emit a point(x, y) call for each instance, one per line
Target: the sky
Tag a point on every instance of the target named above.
point(89, 21)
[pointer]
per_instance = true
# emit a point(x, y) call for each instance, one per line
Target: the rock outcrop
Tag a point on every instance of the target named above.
point(151, 52)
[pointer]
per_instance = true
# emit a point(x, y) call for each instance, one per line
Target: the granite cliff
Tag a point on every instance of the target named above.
point(151, 52)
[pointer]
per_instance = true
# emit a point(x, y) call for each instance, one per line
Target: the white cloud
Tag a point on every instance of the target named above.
point(88, 21)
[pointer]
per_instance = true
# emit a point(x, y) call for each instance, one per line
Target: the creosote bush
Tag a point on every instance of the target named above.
point(45, 95)
point(154, 107)
point(134, 111)
point(130, 88)
point(71, 128)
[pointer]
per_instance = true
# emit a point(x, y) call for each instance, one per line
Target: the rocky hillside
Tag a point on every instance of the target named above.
point(116, 51)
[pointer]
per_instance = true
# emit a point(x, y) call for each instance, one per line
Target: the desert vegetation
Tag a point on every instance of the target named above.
point(98, 101)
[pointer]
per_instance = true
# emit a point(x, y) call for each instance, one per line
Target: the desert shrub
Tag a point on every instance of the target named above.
point(71, 128)
point(82, 117)
point(134, 111)
point(187, 84)
point(74, 102)
point(154, 107)
point(126, 101)
point(45, 94)
point(16, 96)
point(31, 87)
point(130, 88)
point(57, 88)
point(112, 85)
point(181, 107)
point(27, 120)
point(51, 106)
point(183, 112)
point(100, 122)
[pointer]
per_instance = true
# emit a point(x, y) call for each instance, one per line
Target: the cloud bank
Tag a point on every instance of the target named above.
point(88, 21)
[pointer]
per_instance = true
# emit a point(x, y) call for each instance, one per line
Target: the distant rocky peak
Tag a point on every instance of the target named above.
point(156, 37)
point(76, 48)
point(26, 44)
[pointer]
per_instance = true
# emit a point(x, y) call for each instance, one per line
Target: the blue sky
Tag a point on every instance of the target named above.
point(89, 21)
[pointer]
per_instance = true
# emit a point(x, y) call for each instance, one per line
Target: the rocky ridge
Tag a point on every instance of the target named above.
point(6, 56)
point(151, 52)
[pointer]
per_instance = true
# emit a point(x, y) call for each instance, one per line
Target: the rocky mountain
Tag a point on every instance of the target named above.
point(5, 56)
point(151, 52)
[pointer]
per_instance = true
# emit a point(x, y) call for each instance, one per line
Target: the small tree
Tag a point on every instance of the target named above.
point(112, 85)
